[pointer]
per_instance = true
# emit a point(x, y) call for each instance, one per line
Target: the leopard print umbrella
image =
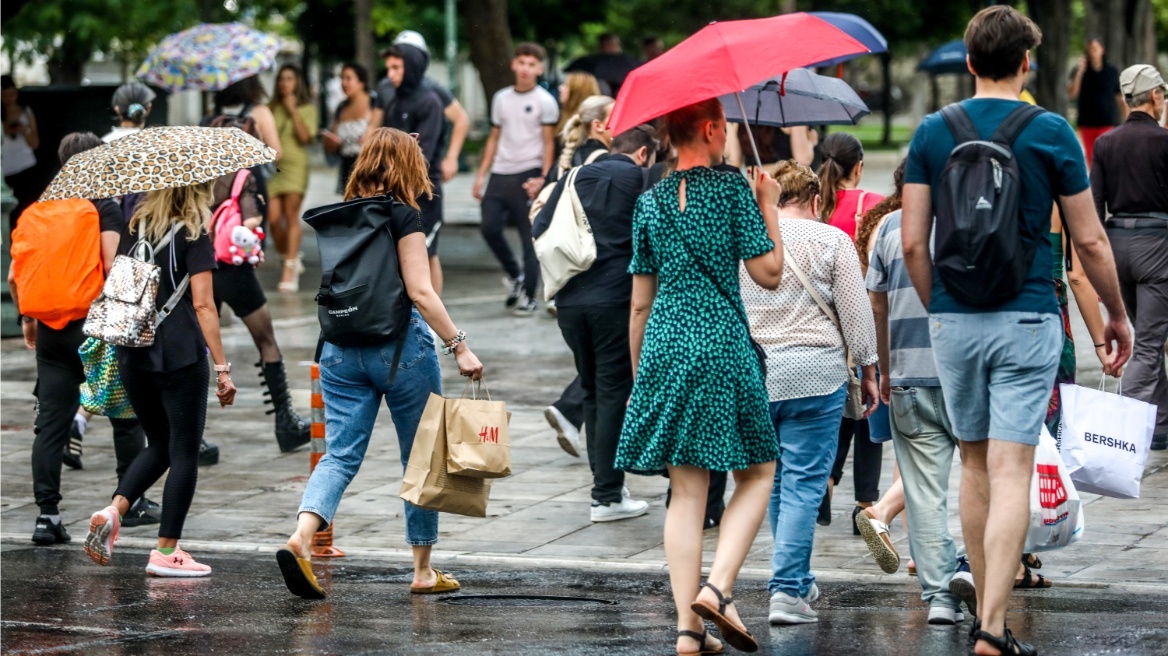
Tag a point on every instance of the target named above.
point(157, 158)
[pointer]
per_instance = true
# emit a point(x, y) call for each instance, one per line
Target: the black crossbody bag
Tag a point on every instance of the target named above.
point(739, 311)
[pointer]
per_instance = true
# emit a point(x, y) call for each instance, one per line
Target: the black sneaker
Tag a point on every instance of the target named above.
point(527, 307)
point(823, 518)
point(208, 454)
point(1159, 442)
point(72, 455)
point(514, 290)
point(143, 512)
point(47, 532)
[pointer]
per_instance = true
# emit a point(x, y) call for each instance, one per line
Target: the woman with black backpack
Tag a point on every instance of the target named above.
point(386, 350)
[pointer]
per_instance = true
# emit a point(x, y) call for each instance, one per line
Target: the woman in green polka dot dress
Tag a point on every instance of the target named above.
point(699, 401)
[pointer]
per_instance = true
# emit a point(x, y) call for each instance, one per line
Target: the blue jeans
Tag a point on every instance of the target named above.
point(924, 444)
point(808, 430)
point(997, 369)
point(353, 380)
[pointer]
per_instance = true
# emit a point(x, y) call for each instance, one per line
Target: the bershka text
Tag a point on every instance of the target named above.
point(1103, 440)
point(344, 311)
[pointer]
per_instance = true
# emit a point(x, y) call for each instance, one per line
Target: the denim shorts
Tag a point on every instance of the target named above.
point(997, 371)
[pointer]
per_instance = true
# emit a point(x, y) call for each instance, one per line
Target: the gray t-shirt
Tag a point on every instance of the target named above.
point(520, 118)
point(911, 348)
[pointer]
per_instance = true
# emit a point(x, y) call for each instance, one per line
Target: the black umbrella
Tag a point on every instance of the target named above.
point(612, 69)
point(798, 98)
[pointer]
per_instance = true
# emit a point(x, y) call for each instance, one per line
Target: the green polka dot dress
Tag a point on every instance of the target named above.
point(699, 398)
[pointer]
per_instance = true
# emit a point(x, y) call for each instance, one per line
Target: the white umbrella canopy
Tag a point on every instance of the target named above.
point(157, 158)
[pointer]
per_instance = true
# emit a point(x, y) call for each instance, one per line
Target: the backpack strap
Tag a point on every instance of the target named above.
point(1015, 123)
point(240, 181)
point(959, 123)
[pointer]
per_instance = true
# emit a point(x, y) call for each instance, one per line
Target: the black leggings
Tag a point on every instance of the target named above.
point(505, 202)
point(869, 456)
point(172, 408)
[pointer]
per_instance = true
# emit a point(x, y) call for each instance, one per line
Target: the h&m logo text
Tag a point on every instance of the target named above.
point(489, 435)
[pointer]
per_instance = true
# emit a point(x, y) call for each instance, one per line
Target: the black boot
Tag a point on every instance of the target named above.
point(208, 454)
point(292, 431)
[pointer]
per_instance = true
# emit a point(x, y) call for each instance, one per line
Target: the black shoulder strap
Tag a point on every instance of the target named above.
point(1015, 123)
point(959, 123)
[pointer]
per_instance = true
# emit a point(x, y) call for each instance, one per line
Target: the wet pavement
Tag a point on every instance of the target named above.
point(57, 601)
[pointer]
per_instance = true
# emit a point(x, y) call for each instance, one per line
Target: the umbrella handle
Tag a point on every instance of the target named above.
point(749, 133)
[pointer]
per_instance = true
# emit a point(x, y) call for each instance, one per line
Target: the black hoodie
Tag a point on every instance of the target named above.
point(415, 108)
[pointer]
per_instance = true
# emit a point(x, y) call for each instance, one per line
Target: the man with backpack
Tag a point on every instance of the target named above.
point(993, 319)
point(1129, 178)
point(61, 252)
point(594, 306)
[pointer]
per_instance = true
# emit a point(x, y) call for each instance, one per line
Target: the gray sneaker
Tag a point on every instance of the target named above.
point(944, 615)
point(786, 609)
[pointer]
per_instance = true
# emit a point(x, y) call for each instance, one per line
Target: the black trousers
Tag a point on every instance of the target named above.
point(172, 407)
point(59, 376)
point(571, 403)
point(599, 339)
point(505, 202)
point(866, 464)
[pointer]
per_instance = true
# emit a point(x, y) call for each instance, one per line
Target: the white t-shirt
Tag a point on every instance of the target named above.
point(118, 133)
point(520, 118)
point(16, 154)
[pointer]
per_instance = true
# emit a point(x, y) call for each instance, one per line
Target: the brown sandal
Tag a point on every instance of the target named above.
point(701, 639)
point(735, 634)
point(445, 583)
point(1031, 579)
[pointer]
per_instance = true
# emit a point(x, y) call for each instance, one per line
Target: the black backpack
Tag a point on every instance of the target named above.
point(983, 249)
point(362, 296)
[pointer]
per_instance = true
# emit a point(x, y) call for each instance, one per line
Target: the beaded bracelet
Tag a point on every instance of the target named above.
point(453, 342)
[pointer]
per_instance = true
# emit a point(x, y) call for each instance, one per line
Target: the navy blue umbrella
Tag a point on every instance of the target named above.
point(798, 98)
point(950, 58)
point(855, 27)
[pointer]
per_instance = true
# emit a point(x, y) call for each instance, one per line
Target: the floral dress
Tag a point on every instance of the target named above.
point(699, 398)
point(1066, 367)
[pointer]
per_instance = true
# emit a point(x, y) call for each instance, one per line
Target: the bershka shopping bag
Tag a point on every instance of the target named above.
point(1105, 440)
point(477, 439)
point(1056, 512)
point(427, 484)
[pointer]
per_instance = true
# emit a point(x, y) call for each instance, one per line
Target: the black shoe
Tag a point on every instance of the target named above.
point(1160, 442)
point(72, 455)
point(855, 526)
point(208, 454)
point(292, 431)
point(47, 532)
point(824, 517)
point(527, 307)
point(515, 290)
point(143, 512)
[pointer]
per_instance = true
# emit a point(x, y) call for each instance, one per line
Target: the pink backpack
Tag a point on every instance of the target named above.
point(235, 243)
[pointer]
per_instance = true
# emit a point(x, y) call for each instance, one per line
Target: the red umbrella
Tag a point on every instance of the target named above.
point(724, 58)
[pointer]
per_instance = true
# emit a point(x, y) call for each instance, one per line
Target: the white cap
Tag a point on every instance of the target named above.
point(411, 38)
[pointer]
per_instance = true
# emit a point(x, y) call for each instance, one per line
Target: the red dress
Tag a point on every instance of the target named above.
point(844, 216)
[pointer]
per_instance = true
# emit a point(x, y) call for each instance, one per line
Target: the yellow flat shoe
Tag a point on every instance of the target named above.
point(444, 583)
point(298, 575)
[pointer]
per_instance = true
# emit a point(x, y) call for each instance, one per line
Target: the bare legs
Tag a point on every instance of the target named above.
point(892, 503)
point(995, 499)
point(308, 524)
point(123, 505)
point(284, 221)
point(683, 537)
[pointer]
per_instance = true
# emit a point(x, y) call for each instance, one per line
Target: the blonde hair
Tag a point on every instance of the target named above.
point(163, 208)
point(391, 162)
point(580, 86)
point(800, 185)
point(579, 126)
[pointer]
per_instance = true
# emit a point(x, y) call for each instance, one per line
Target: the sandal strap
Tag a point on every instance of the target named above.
point(723, 601)
point(1007, 644)
point(700, 637)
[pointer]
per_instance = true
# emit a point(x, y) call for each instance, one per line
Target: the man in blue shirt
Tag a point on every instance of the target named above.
point(997, 364)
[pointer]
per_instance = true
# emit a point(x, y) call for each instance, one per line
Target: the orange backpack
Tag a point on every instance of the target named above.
point(56, 260)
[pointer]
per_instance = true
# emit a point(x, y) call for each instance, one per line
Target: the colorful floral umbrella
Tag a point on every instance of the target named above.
point(209, 56)
point(157, 158)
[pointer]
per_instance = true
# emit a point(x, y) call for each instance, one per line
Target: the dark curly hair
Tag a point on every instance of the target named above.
point(871, 219)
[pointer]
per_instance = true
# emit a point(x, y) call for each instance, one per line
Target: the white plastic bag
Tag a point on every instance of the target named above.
point(1056, 512)
point(567, 247)
point(1105, 440)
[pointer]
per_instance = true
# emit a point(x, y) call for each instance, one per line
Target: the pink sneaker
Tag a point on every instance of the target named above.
point(178, 564)
point(103, 533)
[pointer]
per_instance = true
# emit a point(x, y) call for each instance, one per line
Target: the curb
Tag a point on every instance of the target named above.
point(405, 556)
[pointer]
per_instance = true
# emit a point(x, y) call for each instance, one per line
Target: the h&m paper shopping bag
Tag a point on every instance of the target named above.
point(427, 483)
point(477, 440)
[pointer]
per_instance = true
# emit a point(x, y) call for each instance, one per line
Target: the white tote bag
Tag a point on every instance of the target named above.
point(1056, 512)
point(1105, 440)
point(567, 247)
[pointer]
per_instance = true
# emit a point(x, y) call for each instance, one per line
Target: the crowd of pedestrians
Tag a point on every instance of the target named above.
point(758, 321)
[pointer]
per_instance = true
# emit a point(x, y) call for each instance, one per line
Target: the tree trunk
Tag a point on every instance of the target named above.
point(363, 20)
point(1126, 28)
point(491, 48)
point(1054, 19)
point(886, 96)
point(67, 63)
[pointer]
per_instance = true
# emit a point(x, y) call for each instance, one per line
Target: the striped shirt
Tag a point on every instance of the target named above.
point(911, 349)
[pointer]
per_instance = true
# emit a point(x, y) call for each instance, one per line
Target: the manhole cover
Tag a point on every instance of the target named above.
point(546, 601)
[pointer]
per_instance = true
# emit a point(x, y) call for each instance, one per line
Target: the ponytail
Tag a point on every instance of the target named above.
point(841, 153)
point(577, 129)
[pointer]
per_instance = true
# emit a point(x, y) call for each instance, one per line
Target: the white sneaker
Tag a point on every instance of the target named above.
point(566, 434)
point(626, 509)
point(550, 306)
point(786, 609)
point(945, 615)
point(812, 594)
